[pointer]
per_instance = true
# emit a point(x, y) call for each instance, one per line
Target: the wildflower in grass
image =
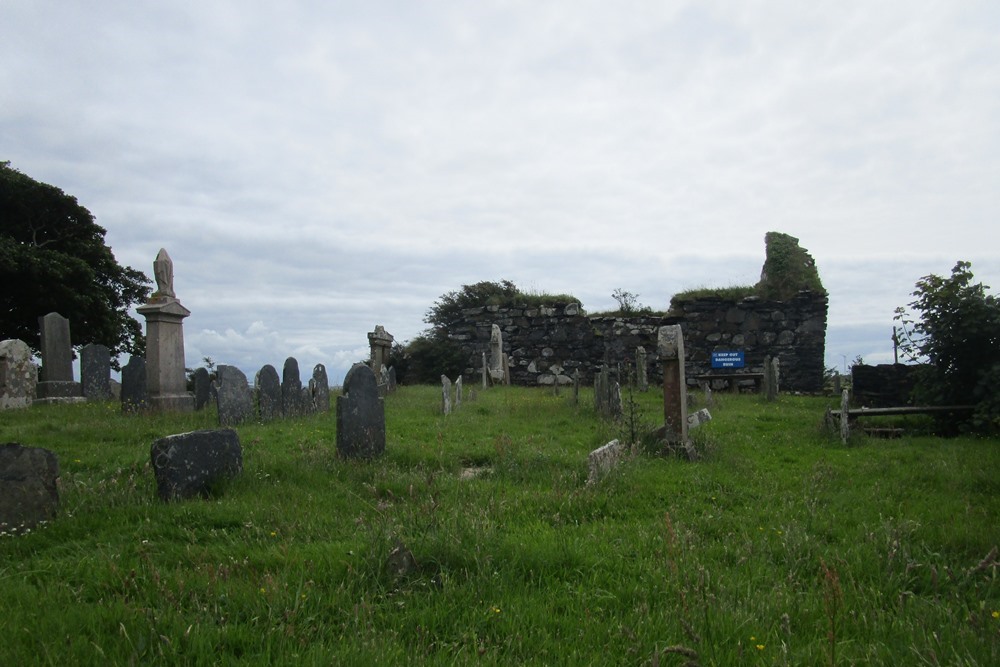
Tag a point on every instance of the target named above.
point(760, 647)
point(274, 533)
point(263, 590)
point(496, 610)
point(996, 614)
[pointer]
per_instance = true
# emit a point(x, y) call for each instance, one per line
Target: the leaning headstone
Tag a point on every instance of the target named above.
point(360, 416)
point(202, 383)
point(166, 383)
point(445, 395)
point(268, 393)
point(235, 401)
point(18, 375)
point(196, 463)
point(29, 493)
point(458, 392)
point(670, 348)
point(640, 369)
point(603, 459)
point(56, 383)
point(133, 394)
point(95, 372)
point(291, 388)
point(319, 388)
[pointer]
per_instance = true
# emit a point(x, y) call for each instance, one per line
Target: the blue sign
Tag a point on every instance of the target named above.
point(727, 359)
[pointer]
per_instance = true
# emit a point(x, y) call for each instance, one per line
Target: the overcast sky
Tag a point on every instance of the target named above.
point(317, 168)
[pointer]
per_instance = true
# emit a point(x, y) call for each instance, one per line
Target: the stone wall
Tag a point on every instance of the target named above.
point(547, 344)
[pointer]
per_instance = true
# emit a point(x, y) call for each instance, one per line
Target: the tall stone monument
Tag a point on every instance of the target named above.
point(166, 383)
point(56, 383)
point(670, 348)
point(381, 344)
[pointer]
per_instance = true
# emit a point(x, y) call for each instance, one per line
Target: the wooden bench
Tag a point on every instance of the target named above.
point(733, 378)
point(833, 416)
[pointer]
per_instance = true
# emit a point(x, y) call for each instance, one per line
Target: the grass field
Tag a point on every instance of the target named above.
point(781, 546)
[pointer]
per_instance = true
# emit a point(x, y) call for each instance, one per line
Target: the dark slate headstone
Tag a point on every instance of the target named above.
point(235, 402)
point(268, 393)
point(28, 491)
point(202, 385)
point(360, 416)
point(134, 385)
point(319, 387)
point(57, 352)
point(95, 372)
point(194, 464)
point(291, 388)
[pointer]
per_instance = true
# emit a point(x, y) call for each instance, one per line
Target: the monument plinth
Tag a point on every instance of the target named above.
point(166, 383)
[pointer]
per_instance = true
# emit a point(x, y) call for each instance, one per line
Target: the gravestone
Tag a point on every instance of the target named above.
point(603, 459)
point(56, 383)
point(445, 395)
point(268, 386)
point(18, 375)
point(291, 389)
point(29, 493)
point(196, 463)
point(360, 416)
point(95, 372)
point(133, 395)
point(319, 389)
point(202, 387)
point(381, 346)
point(234, 400)
point(670, 348)
point(642, 379)
point(391, 379)
point(486, 372)
point(496, 365)
point(696, 419)
point(576, 387)
point(845, 425)
point(166, 384)
point(709, 400)
point(458, 392)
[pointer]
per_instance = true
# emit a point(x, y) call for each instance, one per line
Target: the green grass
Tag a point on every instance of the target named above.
point(780, 546)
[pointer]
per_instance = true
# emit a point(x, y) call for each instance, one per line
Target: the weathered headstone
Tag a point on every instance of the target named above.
point(56, 383)
point(133, 395)
point(696, 419)
point(458, 392)
point(670, 349)
point(381, 346)
point(29, 492)
point(640, 369)
point(196, 463)
point(234, 399)
point(95, 372)
point(18, 375)
point(319, 387)
point(845, 406)
point(496, 363)
point(291, 388)
point(268, 393)
point(360, 416)
point(391, 379)
point(709, 400)
point(603, 459)
point(486, 372)
point(202, 387)
point(445, 395)
point(506, 368)
point(166, 384)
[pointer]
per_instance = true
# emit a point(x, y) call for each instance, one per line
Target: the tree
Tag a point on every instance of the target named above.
point(955, 327)
point(53, 259)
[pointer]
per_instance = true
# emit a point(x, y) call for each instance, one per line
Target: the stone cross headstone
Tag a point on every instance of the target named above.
point(29, 493)
point(291, 388)
point(133, 396)
point(670, 349)
point(202, 385)
point(166, 384)
point(640, 369)
point(360, 416)
point(268, 386)
point(95, 372)
point(381, 347)
point(56, 383)
point(196, 463)
point(319, 387)
point(234, 399)
point(445, 395)
point(18, 375)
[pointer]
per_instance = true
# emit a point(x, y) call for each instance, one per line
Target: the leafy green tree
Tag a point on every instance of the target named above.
point(955, 327)
point(448, 308)
point(53, 259)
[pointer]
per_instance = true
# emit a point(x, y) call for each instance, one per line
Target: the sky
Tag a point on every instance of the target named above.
point(316, 168)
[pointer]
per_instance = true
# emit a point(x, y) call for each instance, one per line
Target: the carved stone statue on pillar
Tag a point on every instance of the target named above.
point(166, 383)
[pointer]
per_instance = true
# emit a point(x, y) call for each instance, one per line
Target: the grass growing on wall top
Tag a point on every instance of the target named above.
point(780, 547)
